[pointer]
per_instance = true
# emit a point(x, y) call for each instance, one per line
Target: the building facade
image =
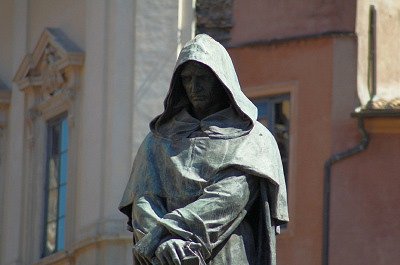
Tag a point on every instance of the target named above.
point(80, 82)
point(336, 62)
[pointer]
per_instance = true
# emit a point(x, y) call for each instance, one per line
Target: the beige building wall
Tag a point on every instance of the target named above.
point(388, 45)
point(56, 14)
point(129, 50)
point(6, 35)
point(14, 18)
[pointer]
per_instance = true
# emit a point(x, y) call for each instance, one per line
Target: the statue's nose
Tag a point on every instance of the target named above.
point(195, 87)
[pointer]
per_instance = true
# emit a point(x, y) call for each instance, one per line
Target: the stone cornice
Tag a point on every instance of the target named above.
point(380, 108)
point(381, 116)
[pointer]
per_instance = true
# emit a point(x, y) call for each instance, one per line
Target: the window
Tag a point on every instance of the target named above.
point(56, 185)
point(274, 113)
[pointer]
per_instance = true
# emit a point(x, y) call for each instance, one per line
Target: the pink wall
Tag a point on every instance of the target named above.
point(259, 20)
point(365, 226)
point(308, 64)
point(365, 190)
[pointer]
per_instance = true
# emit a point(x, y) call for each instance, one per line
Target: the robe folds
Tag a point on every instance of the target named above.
point(217, 181)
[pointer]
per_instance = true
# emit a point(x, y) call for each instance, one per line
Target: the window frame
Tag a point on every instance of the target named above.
point(59, 119)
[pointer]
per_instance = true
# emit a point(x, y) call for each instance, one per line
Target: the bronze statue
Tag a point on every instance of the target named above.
point(207, 184)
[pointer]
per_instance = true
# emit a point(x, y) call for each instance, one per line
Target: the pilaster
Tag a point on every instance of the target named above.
point(10, 253)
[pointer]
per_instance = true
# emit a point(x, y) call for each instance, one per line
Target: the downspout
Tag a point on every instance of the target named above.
point(361, 146)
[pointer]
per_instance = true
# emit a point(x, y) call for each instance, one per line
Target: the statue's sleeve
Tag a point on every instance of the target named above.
point(147, 211)
point(216, 213)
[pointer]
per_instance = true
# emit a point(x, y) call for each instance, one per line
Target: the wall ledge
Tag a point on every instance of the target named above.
point(69, 256)
point(383, 121)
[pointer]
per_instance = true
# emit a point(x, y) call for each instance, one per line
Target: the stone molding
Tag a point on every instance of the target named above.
point(381, 116)
point(69, 257)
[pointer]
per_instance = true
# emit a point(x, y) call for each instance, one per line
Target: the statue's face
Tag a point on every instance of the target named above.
point(203, 89)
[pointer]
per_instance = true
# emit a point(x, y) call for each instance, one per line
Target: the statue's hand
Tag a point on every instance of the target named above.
point(143, 260)
point(148, 244)
point(173, 251)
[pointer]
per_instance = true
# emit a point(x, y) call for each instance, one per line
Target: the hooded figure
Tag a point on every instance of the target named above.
point(207, 185)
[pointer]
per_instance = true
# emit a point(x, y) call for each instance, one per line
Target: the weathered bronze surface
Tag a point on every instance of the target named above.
point(207, 184)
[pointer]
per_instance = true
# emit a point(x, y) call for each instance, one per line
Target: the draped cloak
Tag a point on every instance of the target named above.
point(188, 174)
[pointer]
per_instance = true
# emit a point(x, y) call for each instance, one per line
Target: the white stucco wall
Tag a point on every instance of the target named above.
point(155, 55)
point(388, 45)
point(12, 190)
point(6, 35)
point(67, 15)
point(130, 48)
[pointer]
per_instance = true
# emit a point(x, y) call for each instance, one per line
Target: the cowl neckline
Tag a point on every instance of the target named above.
point(224, 124)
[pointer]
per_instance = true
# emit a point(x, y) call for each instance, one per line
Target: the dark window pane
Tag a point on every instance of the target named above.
point(55, 137)
point(262, 107)
point(282, 131)
point(63, 168)
point(57, 174)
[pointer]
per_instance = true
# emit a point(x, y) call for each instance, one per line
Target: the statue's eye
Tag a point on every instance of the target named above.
point(186, 78)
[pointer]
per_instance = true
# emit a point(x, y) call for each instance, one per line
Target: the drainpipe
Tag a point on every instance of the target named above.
point(361, 146)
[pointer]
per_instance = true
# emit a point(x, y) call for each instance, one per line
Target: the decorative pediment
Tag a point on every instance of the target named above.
point(50, 75)
point(49, 64)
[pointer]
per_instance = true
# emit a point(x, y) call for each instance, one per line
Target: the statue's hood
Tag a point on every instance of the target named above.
point(206, 50)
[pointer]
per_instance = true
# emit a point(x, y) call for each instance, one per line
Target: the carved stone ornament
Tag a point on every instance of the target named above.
point(52, 77)
point(51, 72)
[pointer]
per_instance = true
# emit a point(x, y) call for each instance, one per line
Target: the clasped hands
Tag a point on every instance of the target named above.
point(159, 248)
